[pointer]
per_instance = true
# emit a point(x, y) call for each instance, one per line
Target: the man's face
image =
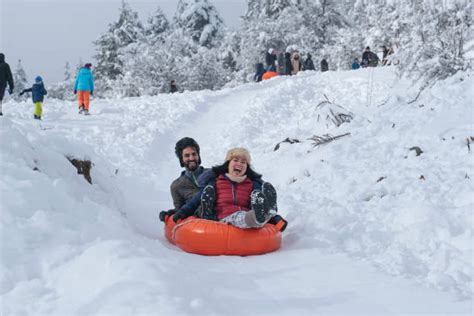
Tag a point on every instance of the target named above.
point(190, 158)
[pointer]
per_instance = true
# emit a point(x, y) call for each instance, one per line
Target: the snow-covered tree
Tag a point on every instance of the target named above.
point(63, 90)
point(67, 72)
point(128, 29)
point(157, 24)
point(200, 20)
point(21, 82)
point(429, 39)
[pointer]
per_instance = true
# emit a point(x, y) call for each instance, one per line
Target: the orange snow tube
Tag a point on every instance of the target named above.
point(204, 237)
point(269, 74)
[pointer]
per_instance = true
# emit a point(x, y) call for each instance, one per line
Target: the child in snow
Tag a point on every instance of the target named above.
point(355, 64)
point(234, 194)
point(37, 93)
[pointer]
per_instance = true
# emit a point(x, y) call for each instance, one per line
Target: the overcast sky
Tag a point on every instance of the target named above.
point(45, 34)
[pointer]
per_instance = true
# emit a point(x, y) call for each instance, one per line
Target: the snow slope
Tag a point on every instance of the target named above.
point(374, 229)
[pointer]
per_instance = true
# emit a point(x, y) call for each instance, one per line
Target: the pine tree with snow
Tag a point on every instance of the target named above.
point(157, 25)
point(67, 72)
point(200, 20)
point(21, 82)
point(63, 90)
point(128, 29)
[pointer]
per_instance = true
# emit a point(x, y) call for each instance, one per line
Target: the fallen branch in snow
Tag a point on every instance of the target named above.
point(335, 113)
point(419, 93)
point(417, 150)
point(323, 102)
point(326, 138)
point(340, 118)
point(286, 140)
point(380, 179)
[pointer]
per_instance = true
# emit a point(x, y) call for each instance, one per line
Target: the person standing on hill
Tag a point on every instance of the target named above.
point(84, 88)
point(296, 63)
point(5, 77)
point(324, 65)
point(259, 71)
point(270, 59)
point(37, 93)
point(355, 64)
point(308, 63)
point(288, 64)
point(173, 86)
point(369, 58)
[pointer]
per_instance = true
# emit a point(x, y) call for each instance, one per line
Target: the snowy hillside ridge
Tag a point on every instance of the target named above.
point(71, 248)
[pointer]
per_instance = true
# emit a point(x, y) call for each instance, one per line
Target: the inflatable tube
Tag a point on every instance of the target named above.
point(204, 237)
point(269, 74)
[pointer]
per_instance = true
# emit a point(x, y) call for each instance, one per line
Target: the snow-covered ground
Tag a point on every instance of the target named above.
point(374, 228)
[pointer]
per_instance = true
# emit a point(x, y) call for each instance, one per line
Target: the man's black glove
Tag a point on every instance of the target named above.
point(164, 214)
point(179, 215)
point(22, 92)
point(92, 93)
point(276, 220)
point(75, 91)
point(10, 90)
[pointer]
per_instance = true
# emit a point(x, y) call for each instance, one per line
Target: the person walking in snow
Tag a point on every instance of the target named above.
point(308, 63)
point(84, 88)
point(324, 65)
point(37, 93)
point(186, 185)
point(5, 78)
point(296, 63)
point(270, 59)
point(235, 194)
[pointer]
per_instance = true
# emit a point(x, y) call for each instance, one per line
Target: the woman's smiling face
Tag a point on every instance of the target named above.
point(237, 166)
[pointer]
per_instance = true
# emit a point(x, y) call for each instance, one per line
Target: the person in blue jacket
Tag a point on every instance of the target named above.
point(37, 93)
point(355, 64)
point(84, 88)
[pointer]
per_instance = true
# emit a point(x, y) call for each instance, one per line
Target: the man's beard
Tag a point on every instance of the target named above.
point(191, 165)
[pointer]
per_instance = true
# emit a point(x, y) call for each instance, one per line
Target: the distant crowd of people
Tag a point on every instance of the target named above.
point(285, 64)
point(276, 64)
point(290, 62)
point(371, 59)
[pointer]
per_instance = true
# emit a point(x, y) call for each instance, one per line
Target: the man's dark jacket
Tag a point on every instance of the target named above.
point(5, 74)
point(183, 189)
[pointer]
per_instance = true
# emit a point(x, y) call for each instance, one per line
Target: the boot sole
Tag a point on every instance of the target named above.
point(270, 197)
point(208, 198)
point(257, 200)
